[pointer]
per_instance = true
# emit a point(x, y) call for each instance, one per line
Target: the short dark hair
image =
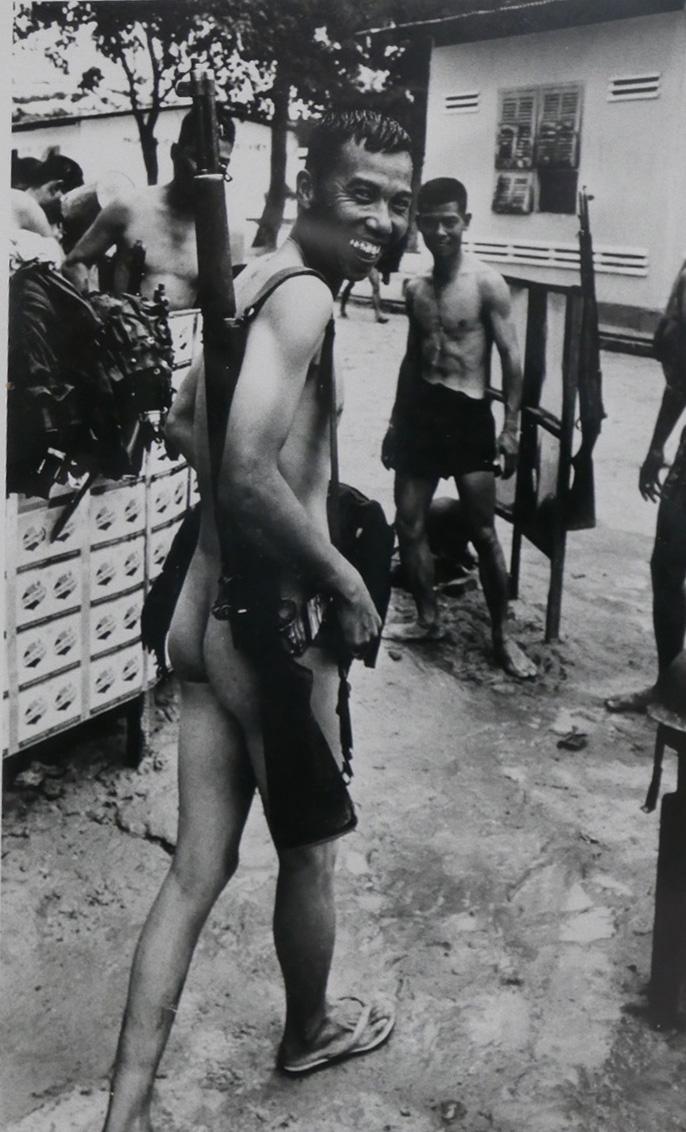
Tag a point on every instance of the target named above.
point(23, 171)
point(442, 190)
point(225, 126)
point(57, 167)
point(377, 132)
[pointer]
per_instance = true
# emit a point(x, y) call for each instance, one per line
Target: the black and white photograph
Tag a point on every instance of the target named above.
point(343, 714)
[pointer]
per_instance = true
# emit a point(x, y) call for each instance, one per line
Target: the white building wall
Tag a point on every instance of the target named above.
point(103, 145)
point(632, 156)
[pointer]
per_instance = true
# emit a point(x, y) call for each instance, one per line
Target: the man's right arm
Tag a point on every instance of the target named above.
point(256, 495)
point(106, 230)
point(671, 407)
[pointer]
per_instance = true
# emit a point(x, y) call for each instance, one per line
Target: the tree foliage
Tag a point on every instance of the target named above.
point(309, 54)
point(151, 41)
point(269, 56)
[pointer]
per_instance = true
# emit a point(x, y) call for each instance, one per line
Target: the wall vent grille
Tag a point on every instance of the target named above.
point(466, 102)
point(541, 253)
point(629, 88)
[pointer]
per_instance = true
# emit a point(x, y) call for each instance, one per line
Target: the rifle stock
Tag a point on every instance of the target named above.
point(581, 499)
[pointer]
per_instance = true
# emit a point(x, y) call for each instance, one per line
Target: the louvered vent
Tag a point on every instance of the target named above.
point(628, 88)
point(540, 253)
point(466, 102)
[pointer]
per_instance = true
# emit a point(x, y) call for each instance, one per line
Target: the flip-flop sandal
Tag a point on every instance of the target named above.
point(352, 1045)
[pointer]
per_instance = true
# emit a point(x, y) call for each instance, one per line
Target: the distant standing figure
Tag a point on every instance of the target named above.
point(376, 295)
point(668, 562)
point(442, 424)
point(161, 217)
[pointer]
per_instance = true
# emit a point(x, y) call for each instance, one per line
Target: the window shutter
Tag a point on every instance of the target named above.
point(557, 142)
point(513, 193)
point(515, 140)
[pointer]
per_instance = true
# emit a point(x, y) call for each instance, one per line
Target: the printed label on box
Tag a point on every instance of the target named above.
point(54, 703)
point(43, 649)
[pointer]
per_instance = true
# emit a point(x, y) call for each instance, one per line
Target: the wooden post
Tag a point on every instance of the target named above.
point(534, 374)
point(570, 378)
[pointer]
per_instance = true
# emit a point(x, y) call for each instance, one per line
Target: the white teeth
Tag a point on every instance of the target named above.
point(366, 247)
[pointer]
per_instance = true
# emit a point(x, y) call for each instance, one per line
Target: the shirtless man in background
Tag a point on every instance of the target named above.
point(442, 424)
point(353, 202)
point(161, 217)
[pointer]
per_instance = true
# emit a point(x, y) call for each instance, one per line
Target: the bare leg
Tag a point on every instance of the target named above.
point(317, 1033)
point(412, 499)
point(376, 295)
point(345, 295)
point(668, 572)
point(215, 790)
point(477, 495)
point(305, 923)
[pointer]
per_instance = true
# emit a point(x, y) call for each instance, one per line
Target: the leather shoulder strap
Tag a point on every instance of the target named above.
point(274, 281)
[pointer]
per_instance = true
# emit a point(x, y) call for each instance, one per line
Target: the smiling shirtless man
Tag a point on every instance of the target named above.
point(161, 218)
point(353, 202)
point(442, 424)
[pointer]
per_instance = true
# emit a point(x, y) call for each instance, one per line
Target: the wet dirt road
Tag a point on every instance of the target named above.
point(501, 886)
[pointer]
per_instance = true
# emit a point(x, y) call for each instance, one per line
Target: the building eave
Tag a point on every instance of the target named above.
point(492, 19)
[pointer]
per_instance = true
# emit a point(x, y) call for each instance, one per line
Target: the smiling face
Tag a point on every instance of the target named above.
point(357, 210)
point(442, 227)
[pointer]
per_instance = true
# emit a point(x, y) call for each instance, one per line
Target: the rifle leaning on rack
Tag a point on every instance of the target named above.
point(581, 500)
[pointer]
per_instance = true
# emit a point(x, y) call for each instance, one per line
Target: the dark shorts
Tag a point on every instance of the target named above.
point(443, 433)
point(674, 487)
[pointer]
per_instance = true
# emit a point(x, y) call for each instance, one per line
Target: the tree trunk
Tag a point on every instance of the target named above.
point(421, 66)
point(149, 149)
point(272, 216)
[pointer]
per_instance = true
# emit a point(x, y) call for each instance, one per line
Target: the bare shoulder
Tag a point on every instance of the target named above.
point(494, 290)
point(417, 287)
point(295, 315)
point(300, 308)
point(28, 214)
point(118, 212)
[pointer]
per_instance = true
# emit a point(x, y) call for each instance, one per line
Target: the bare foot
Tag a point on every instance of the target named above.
point(351, 1028)
point(415, 631)
point(631, 701)
point(514, 660)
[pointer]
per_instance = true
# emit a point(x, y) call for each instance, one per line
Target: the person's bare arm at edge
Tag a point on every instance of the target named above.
point(27, 214)
point(408, 376)
point(106, 231)
point(281, 344)
point(671, 407)
point(179, 427)
point(497, 306)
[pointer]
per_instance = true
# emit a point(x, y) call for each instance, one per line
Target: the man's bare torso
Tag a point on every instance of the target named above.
point(452, 322)
point(168, 237)
point(304, 461)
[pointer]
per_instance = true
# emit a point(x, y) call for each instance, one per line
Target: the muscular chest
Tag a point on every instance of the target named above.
point(455, 311)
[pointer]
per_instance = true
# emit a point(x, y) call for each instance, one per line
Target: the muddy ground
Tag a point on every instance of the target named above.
point(500, 885)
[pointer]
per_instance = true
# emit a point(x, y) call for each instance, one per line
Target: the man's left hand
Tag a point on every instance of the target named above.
point(508, 449)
